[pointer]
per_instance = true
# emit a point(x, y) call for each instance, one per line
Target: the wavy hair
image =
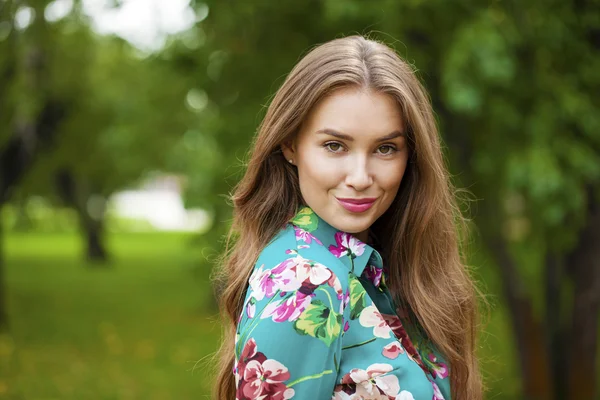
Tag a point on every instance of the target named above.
point(420, 234)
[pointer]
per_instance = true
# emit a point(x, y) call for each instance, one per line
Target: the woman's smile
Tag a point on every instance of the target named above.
point(357, 205)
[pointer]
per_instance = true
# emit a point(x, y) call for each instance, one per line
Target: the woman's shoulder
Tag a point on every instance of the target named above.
point(290, 245)
point(277, 247)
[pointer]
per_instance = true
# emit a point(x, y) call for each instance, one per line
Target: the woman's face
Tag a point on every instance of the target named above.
point(351, 154)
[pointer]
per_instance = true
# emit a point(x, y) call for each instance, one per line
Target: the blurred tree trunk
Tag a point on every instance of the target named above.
point(7, 76)
point(3, 294)
point(557, 358)
point(76, 194)
point(556, 329)
point(96, 250)
point(584, 266)
point(530, 337)
point(25, 134)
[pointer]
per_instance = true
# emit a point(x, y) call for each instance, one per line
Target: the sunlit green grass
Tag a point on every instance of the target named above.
point(134, 330)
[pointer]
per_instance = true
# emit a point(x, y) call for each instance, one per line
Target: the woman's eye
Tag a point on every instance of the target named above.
point(386, 149)
point(333, 147)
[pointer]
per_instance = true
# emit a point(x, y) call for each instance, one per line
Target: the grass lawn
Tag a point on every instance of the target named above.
point(137, 329)
point(132, 331)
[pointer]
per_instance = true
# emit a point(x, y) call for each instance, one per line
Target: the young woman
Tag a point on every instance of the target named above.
point(345, 280)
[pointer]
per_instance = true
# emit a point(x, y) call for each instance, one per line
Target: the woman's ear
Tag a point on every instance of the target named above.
point(289, 151)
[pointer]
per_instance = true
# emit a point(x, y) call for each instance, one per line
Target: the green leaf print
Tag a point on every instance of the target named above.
point(306, 219)
point(358, 299)
point(319, 321)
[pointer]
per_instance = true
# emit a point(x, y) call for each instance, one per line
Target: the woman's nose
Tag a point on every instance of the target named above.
point(358, 175)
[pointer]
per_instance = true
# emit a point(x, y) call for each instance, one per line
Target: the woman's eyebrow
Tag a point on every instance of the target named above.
point(343, 136)
point(391, 136)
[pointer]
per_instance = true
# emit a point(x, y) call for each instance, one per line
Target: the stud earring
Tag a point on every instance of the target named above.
point(291, 162)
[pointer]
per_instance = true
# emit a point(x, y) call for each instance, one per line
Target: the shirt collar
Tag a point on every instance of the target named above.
point(355, 254)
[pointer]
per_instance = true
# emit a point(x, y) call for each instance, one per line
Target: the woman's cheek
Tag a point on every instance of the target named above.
point(390, 176)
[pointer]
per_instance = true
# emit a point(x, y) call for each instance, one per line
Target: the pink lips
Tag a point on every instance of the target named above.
point(357, 205)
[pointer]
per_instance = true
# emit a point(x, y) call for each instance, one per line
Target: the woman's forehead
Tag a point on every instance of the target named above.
point(355, 114)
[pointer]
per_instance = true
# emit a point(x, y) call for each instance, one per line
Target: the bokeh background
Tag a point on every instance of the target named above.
point(125, 124)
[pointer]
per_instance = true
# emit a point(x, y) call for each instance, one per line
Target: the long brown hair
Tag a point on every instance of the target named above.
point(420, 233)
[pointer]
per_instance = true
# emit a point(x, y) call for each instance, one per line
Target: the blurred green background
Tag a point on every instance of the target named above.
point(125, 124)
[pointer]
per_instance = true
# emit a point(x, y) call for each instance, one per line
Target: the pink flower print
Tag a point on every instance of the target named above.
point(284, 275)
point(259, 377)
point(249, 353)
point(334, 282)
point(373, 382)
point(345, 297)
point(268, 282)
point(257, 282)
point(313, 272)
point(438, 369)
point(437, 394)
point(393, 350)
point(373, 274)
point(371, 317)
point(265, 381)
point(235, 361)
point(236, 375)
point(305, 236)
point(394, 323)
point(347, 245)
point(251, 307)
point(288, 309)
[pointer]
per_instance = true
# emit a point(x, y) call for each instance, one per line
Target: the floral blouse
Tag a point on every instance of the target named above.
point(318, 322)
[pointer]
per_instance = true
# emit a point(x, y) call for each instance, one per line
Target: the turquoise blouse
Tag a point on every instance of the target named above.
point(318, 322)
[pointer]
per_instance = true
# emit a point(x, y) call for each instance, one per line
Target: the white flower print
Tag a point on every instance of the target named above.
point(405, 395)
point(314, 272)
point(373, 383)
point(371, 317)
